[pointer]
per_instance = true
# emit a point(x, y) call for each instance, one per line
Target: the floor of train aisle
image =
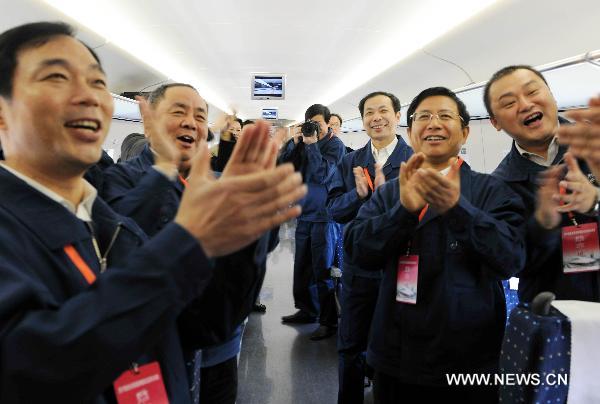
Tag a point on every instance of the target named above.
point(278, 362)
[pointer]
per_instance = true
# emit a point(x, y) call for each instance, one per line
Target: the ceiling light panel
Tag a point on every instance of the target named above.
point(326, 49)
point(125, 25)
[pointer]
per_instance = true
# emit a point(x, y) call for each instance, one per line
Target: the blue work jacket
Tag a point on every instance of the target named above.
point(343, 201)
point(318, 164)
point(543, 269)
point(457, 324)
point(63, 340)
point(135, 189)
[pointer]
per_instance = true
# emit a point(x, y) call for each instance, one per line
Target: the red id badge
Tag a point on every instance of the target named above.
point(144, 386)
point(408, 276)
point(580, 248)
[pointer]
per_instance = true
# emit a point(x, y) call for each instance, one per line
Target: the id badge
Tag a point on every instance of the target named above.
point(580, 248)
point(143, 386)
point(408, 276)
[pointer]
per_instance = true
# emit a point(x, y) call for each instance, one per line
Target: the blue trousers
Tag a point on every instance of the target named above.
point(313, 287)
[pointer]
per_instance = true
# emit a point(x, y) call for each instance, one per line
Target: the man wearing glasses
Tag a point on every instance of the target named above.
point(445, 237)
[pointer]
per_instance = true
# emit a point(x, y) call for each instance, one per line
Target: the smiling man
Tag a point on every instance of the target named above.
point(445, 236)
point(88, 305)
point(521, 104)
point(148, 188)
point(357, 177)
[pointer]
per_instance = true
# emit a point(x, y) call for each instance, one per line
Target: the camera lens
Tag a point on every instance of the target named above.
point(310, 128)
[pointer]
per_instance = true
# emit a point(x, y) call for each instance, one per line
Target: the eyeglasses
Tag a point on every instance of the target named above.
point(443, 116)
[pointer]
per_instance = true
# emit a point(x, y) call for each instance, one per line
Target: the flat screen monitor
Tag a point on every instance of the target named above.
point(269, 113)
point(268, 86)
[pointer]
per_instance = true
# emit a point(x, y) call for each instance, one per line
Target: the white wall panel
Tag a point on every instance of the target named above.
point(117, 132)
point(484, 150)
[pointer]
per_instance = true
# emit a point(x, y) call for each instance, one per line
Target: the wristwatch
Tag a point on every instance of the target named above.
point(595, 210)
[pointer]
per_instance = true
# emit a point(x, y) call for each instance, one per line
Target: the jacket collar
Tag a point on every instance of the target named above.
point(146, 160)
point(146, 157)
point(516, 168)
point(401, 153)
point(51, 222)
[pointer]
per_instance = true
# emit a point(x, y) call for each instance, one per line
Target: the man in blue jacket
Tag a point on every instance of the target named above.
point(84, 297)
point(316, 155)
point(149, 188)
point(520, 102)
point(357, 177)
point(445, 237)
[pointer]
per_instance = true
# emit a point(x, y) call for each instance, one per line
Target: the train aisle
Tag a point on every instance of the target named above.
point(279, 363)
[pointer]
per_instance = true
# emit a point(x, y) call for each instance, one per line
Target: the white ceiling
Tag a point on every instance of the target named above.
point(329, 49)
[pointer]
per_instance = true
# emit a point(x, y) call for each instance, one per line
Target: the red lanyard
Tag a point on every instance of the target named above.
point(183, 180)
point(563, 191)
point(423, 211)
point(76, 259)
point(422, 214)
point(426, 207)
point(369, 179)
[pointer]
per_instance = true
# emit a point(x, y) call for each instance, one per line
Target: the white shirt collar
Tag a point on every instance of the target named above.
point(384, 153)
point(536, 158)
point(83, 211)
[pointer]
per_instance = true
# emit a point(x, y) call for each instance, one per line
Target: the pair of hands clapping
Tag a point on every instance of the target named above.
point(252, 196)
point(421, 186)
point(583, 139)
point(362, 184)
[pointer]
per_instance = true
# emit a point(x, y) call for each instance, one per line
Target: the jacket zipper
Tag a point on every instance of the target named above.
point(103, 259)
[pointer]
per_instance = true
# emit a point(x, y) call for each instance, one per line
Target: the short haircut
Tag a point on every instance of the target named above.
point(395, 101)
point(338, 117)
point(132, 146)
point(238, 120)
point(505, 71)
point(438, 91)
point(317, 109)
point(247, 122)
point(24, 37)
point(159, 93)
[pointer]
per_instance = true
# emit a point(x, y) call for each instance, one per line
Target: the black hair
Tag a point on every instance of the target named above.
point(505, 71)
point(238, 120)
point(338, 117)
point(210, 136)
point(132, 146)
point(247, 122)
point(159, 93)
point(23, 37)
point(438, 91)
point(317, 109)
point(395, 101)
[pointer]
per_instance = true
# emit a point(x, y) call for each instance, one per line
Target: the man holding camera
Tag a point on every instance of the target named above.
point(316, 153)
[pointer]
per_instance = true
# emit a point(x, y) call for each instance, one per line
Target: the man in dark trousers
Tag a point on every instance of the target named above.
point(445, 236)
point(316, 154)
point(359, 174)
point(88, 305)
point(520, 102)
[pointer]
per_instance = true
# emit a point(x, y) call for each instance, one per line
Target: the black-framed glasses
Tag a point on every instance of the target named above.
point(442, 116)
